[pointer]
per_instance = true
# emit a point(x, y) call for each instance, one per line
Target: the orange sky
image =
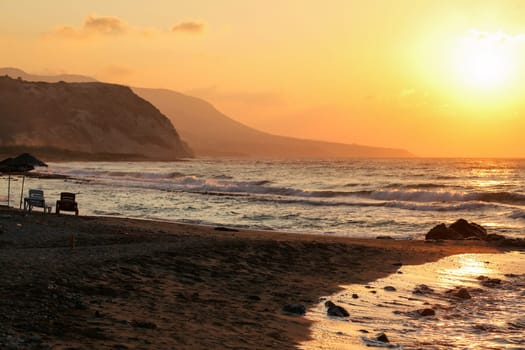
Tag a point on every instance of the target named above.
point(439, 78)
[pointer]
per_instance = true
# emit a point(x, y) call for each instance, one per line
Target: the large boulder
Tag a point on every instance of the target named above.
point(469, 229)
point(461, 229)
point(441, 231)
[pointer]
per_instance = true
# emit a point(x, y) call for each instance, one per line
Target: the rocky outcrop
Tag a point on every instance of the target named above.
point(461, 229)
point(84, 119)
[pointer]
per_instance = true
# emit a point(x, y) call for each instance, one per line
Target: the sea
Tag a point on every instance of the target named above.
point(401, 198)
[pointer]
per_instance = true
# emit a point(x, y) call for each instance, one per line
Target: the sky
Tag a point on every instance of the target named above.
point(438, 78)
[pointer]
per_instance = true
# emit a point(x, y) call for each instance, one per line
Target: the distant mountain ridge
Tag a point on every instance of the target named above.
point(82, 120)
point(211, 133)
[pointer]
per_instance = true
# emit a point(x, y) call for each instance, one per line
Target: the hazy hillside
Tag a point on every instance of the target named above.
point(71, 78)
point(211, 133)
point(87, 118)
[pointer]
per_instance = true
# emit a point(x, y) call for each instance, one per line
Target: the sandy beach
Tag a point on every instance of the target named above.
point(108, 283)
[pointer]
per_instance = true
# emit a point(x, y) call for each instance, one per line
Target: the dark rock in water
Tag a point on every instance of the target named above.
point(441, 231)
point(461, 229)
point(512, 242)
point(422, 289)
point(382, 337)
point(494, 237)
point(355, 296)
point(469, 229)
point(295, 309)
point(335, 310)
point(489, 282)
point(462, 293)
point(254, 297)
point(390, 288)
point(426, 312)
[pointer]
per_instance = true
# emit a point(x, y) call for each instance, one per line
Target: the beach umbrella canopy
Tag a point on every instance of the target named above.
point(20, 164)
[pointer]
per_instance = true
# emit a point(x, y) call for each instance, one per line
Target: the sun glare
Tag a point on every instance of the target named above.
point(484, 60)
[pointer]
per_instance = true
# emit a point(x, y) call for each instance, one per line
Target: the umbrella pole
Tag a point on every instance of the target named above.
point(8, 190)
point(22, 192)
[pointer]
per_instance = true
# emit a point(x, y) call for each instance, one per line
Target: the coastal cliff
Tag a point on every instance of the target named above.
point(88, 120)
point(213, 134)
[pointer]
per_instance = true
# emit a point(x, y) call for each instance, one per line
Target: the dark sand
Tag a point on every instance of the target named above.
point(104, 283)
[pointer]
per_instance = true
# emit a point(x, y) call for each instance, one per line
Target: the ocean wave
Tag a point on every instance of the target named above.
point(517, 214)
point(418, 195)
point(423, 192)
point(414, 186)
point(444, 196)
point(440, 207)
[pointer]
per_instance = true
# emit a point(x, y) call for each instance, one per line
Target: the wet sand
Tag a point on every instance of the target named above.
point(423, 310)
point(106, 283)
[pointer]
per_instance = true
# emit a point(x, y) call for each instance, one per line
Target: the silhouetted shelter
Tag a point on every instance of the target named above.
point(19, 165)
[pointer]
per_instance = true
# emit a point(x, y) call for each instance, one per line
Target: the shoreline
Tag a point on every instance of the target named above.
point(116, 283)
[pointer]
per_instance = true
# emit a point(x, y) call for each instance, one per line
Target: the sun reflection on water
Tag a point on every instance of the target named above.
point(466, 268)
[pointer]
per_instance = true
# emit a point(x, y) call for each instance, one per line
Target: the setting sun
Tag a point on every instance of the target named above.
point(484, 60)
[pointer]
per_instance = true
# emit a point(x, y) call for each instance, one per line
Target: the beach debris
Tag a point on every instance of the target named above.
point(335, 310)
point(390, 288)
point(488, 282)
point(426, 312)
point(294, 309)
point(461, 293)
point(382, 337)
point(384, 237)
point(461, 229)
point(379, 344)
point(355, 296)
point(225, 229)
point(422, 289)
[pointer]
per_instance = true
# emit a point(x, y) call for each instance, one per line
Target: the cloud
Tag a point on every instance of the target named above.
point(94, 25)
point(106, 25)
point(192, 27)
point(110, 26)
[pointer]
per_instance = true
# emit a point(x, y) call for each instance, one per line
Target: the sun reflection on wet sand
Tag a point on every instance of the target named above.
point(466, 268)
point(490, 319)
